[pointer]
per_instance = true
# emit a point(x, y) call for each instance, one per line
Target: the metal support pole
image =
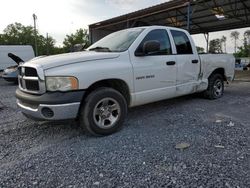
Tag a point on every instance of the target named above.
point(35, 34)
point(206, 35)
point(90, 36)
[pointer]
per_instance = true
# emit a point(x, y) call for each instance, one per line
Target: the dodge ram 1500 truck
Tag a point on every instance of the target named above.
point(124, 69)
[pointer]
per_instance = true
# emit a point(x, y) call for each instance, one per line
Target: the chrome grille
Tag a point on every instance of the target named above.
point(29, 80)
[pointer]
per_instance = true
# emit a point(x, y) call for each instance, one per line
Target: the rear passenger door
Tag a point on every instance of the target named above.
point(188, 63)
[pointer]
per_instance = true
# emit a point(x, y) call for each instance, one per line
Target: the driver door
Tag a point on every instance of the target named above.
point(154, 74)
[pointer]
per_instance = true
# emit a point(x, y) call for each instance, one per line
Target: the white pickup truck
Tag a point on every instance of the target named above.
point(124, 69)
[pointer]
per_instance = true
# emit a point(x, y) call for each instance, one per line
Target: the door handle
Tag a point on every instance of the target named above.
point(195, 61)
point(170, 63)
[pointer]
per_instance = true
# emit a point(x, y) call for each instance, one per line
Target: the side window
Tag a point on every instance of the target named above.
point(161, 36)
point(182, 43)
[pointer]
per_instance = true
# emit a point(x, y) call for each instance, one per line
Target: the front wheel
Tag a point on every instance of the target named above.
point(215, 88)
point(103, 111)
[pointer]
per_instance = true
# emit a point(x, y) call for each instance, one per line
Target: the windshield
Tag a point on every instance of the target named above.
point(117, 42)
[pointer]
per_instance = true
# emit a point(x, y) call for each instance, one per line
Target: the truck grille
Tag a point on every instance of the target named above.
point(28, 79)
point(30, 72)
point(32, 85)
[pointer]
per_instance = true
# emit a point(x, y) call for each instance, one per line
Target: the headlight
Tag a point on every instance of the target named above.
point(9, 70)
point(61, 83)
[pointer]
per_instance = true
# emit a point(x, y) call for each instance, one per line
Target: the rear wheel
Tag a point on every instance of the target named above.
point(215, 88)
point(103, 112)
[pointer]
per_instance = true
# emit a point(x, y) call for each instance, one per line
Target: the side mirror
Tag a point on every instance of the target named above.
point(78, 47)
point(149, 47)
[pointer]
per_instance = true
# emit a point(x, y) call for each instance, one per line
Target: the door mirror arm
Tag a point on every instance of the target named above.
point(139, 54)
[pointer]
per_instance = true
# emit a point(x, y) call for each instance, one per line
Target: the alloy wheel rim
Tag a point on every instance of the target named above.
point(218, 87)
point(106, 113)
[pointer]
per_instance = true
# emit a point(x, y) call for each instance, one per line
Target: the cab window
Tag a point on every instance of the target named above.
point(162, 37)
point(182, 43)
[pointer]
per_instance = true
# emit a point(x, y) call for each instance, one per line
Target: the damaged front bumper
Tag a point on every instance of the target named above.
point(50, 106)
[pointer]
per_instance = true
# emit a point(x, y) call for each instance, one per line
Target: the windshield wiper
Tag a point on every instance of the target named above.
point(99, 48)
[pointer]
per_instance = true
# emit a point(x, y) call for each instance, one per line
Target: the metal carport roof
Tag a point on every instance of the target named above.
point(197, 16)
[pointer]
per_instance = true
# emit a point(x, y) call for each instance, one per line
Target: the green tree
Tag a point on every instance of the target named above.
point(224, 43)
point(200, 49)
point(1, 39)
point(215, 46)
point(247, 43)
point(18, 34)
point(235, 36)
point(81, 36)
point(247, 36)
point(244, 50)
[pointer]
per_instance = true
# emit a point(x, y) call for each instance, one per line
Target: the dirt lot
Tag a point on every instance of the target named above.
point(142, 154)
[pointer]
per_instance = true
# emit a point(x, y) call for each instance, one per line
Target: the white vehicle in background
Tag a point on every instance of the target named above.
point(25, 52)
point(127, 68)
point(242, 63)
point(10, 57)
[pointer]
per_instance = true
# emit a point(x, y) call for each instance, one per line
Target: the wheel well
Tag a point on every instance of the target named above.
point(116, 84)
point(220, 71)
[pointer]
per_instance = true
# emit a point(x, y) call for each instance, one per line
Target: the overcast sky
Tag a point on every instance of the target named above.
point(61, 17)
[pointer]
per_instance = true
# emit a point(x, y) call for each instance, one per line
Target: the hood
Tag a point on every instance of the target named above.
point(15, 58)
point(69, 58)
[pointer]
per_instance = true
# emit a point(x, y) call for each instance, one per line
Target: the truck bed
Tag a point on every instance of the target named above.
point(210, 62)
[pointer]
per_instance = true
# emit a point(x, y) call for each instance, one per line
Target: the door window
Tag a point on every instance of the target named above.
point(182, 43)
point(162, 37)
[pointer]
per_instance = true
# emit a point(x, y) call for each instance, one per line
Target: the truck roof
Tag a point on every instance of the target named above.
point(160, 27)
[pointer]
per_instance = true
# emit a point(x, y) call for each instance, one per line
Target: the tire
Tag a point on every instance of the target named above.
point(215, 88)
point(103, 112)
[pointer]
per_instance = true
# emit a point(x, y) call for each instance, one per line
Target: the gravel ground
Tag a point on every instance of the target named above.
point(142, 154)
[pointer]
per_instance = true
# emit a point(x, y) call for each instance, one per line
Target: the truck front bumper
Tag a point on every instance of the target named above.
point(50, 106)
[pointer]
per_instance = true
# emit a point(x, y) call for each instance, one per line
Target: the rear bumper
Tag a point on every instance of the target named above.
point(50, 106)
